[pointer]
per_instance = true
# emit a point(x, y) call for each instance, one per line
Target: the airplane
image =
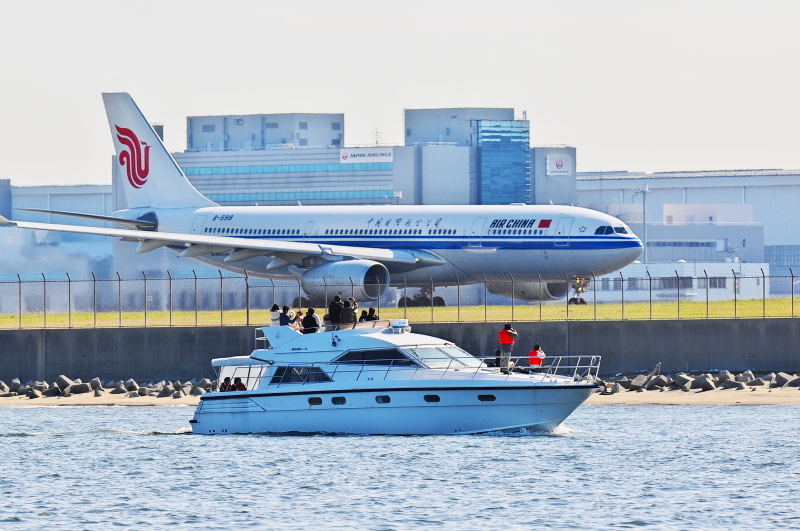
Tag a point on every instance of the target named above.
point(355, 250)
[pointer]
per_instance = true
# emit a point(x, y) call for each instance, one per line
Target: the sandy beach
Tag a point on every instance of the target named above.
point(751, 396)
point(697, 397)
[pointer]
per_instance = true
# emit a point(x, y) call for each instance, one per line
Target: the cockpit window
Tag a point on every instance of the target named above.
point(609, 230)
point(620, 230)
point(600, 230)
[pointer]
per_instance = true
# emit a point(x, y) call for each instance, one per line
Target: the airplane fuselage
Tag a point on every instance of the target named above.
point(471, 242)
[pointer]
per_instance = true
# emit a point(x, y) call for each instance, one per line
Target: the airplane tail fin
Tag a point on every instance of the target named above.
point(149, 174)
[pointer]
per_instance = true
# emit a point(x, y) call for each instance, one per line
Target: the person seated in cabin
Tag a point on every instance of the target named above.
point(348, 314)
point(311, 322)
point(372, 316)
point(536, 357)
point(238, 385)
point(287, 318)
point(226, 385)
point(363, 317)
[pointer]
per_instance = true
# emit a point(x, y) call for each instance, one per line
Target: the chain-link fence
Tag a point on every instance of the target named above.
point(62, 301)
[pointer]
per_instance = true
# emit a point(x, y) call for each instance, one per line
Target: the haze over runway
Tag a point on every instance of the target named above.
point(639, 86)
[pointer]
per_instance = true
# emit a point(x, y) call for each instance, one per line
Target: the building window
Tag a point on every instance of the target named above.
point(271, 125)
point(209, 128)
point(303, 142)
point(336, 142)
point(303, 125)
point(336, 126)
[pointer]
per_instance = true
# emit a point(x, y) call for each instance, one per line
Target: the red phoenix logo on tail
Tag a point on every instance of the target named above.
point(136, 160)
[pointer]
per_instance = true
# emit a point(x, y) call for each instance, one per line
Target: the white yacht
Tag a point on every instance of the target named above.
point(379, 378)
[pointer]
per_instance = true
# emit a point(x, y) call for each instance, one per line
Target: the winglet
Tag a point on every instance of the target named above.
point(6, 222)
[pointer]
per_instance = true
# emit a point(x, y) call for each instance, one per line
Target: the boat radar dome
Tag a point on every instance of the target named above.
point(399, 326)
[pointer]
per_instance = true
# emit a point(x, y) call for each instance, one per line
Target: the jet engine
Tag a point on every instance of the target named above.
point(530, 290)
point(365, 279)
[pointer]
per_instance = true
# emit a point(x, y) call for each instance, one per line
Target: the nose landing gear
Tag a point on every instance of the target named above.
point(580, 285)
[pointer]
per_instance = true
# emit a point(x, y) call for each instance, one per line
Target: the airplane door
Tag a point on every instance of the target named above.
point(198, 224)
point(562, 231)
point(307, 233)
point(475, 233)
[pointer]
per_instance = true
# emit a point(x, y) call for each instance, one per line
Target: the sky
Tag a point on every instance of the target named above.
point(633, 85)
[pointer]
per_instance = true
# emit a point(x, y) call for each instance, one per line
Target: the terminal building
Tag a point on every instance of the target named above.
point(457, 156)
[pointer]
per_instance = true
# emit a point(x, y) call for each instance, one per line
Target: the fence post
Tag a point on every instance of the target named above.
point(792, 273)
point(541, 292)
point(19, 291)
point(273, 290)
point(94, 298)
point(594, 294)
point(763, 295)
point(221, 299)
point(735, 298)
point(485, 300)
point(405, 298)
point(170, 297)
point(706, 274)
point(119, 297)
point(458, 299)
point(69, 301)
point(430, 277)
point(44, 300)
point(568, 297)
point(247, 296)
point(196, 302)
point(650, 285)
point(512, 296)
point(144, 276)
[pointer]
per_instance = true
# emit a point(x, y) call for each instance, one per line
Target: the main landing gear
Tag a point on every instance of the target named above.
point(422, 299)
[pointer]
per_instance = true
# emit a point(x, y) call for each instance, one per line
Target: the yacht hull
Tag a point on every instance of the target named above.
point(393, 410)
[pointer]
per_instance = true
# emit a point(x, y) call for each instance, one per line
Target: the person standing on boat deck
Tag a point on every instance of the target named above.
point(286, 318)
point(507, 338)
point(275, 315)
point(311, 322)
point(335, 311)
point(348, 314)
point(372, 316)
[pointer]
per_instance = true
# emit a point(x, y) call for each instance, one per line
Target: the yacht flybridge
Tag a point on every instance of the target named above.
point(379, 378)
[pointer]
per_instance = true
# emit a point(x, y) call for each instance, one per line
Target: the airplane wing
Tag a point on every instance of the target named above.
point(283, 252)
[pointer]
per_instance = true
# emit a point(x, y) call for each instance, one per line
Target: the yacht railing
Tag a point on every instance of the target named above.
point(576, 368)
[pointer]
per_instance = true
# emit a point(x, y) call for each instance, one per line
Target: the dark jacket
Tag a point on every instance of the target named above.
point(310, 323)
point(348, 316)
point(335, 312)
point(286, 320)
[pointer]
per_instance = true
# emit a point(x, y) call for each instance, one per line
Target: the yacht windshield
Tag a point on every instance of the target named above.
point(443, 357)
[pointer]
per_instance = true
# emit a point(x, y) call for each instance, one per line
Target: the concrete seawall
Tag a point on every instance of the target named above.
point(183, 353)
